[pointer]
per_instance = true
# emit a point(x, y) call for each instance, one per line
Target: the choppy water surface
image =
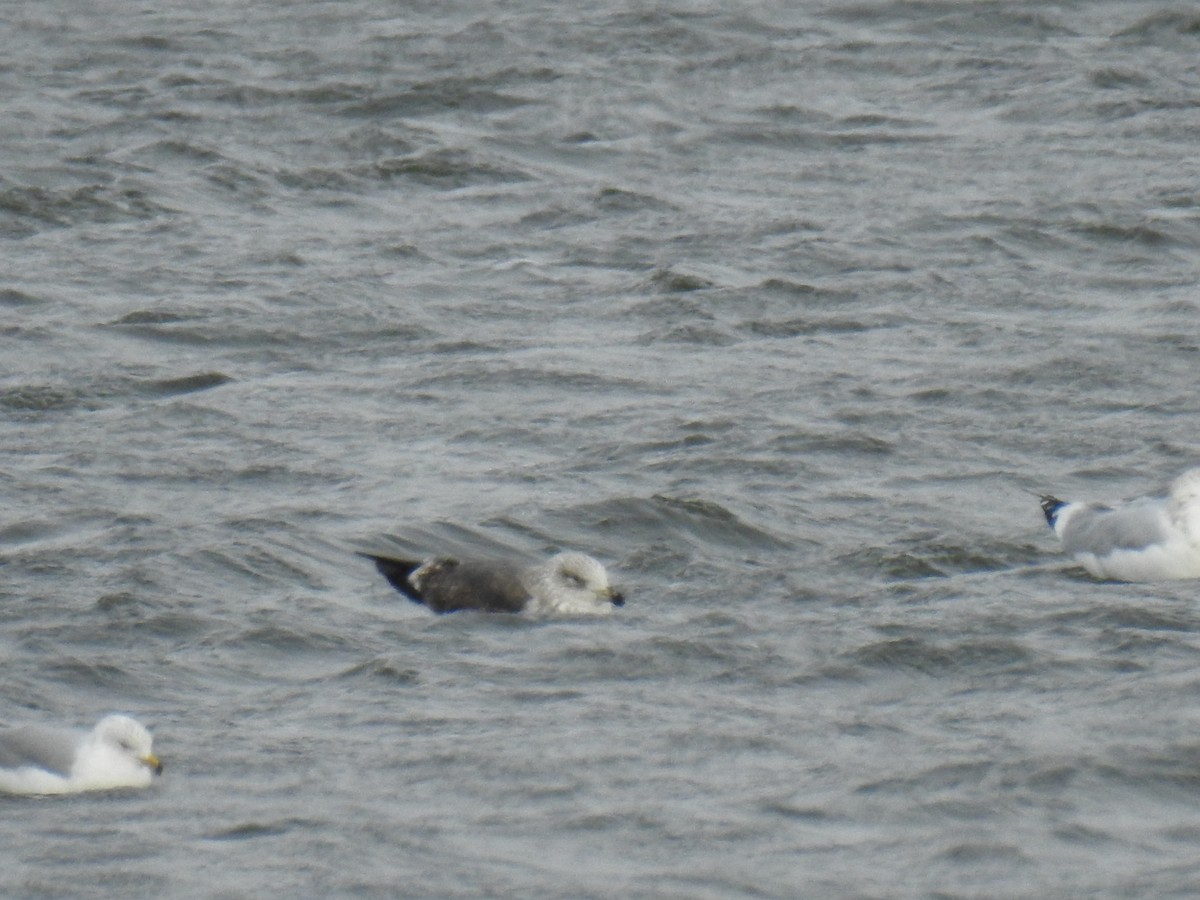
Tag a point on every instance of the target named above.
point(779, 310)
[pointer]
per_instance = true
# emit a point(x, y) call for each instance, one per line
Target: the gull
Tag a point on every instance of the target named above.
point(37, 759)
point(1148, 539)
point(569, 583)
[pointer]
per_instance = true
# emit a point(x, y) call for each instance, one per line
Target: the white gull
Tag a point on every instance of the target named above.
point(37, 759)
point(1148, 539)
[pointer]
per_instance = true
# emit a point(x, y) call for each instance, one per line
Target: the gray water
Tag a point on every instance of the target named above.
point(780, 310)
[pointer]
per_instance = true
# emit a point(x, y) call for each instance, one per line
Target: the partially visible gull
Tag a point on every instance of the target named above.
point(39, 760)
point(567, 584)
point(1148, 539)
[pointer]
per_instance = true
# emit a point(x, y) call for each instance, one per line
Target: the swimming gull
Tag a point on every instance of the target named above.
point(40, 760)
point(569, 583)
point(1148, 539)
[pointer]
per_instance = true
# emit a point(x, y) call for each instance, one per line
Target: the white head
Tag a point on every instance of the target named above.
point(573, 583)
point(1185, 503)
point(117, 753)
point(1186, 488)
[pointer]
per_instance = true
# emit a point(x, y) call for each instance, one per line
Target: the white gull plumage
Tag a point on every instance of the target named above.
point(1148, 539)
point(117, 753)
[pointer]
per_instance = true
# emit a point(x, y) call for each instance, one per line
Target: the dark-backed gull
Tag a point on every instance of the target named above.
point(568, 584)
point(1148, 539)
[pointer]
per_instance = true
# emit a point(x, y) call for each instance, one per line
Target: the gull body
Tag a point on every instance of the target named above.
point(1147, 539)
point(117, 753)
point(566, 584)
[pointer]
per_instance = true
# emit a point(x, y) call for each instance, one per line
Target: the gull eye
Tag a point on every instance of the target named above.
point(573, 579)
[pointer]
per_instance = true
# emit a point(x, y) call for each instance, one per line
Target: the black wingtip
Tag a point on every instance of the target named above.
point(396, 571)
point(1051, 506)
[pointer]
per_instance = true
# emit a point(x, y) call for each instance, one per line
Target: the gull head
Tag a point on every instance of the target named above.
point(575, 583)
point(1184, 504)
point(122, 749)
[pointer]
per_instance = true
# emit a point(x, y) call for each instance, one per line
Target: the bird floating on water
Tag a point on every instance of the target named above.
point(117, 753)
point(567, 584)
point(1147, 539)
